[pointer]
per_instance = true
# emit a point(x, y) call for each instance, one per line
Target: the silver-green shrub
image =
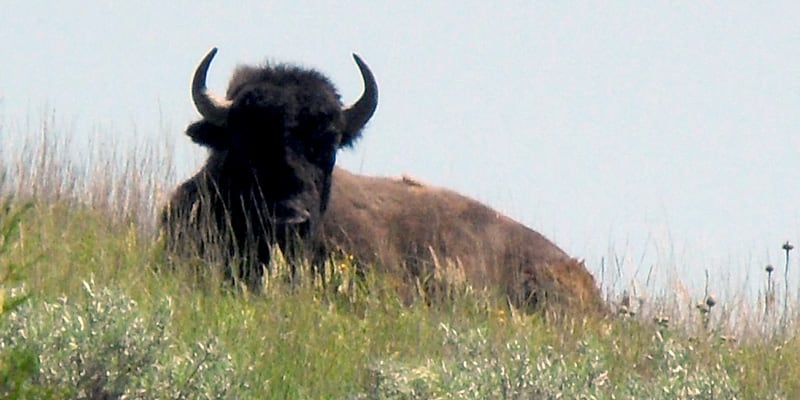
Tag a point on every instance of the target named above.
point(476, 369)
point(105, 347)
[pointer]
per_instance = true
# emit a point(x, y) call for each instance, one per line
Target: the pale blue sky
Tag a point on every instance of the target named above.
point(664, 132)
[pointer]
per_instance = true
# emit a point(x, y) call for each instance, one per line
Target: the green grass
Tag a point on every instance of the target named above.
point(91, 310)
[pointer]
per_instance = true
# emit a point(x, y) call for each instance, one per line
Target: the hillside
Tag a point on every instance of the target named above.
point(90, 310)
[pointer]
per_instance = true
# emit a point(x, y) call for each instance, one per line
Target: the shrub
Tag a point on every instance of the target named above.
point(476, 369)
point(103, 348)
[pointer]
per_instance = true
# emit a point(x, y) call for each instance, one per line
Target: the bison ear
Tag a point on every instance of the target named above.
point(209, 135)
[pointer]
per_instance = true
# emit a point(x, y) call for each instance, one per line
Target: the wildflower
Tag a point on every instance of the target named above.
point(501, 315)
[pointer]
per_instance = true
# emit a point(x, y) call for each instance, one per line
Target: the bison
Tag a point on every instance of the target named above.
point(270, 180)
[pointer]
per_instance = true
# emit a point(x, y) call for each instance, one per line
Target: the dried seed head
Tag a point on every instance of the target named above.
point(769, 268)
point(663, 321)
point(626, 299)
point(787, 246)
point(710, 302)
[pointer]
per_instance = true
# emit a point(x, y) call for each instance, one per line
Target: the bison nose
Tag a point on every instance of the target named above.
point(300, 217)
point(291, 214)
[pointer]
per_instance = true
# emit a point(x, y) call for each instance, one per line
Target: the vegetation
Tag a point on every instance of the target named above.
point(89, 310)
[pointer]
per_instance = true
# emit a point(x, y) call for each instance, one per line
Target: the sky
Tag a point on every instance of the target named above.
point(635, 135)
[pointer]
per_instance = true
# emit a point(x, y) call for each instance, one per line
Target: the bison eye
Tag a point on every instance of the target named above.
point(316, 152)
point(320, 154)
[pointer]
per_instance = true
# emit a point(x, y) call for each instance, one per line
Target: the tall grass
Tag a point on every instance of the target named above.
point(79, 250)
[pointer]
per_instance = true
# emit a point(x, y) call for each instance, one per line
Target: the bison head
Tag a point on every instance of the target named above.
point(274, 138)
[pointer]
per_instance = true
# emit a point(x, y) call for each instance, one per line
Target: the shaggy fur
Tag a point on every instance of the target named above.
point(271, 165)
point(405, 226)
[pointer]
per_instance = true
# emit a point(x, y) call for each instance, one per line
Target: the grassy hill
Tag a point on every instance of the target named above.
point(90, 310)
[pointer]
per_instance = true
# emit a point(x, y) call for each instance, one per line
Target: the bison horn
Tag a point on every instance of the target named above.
point(213, 109)
point(357, 115)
